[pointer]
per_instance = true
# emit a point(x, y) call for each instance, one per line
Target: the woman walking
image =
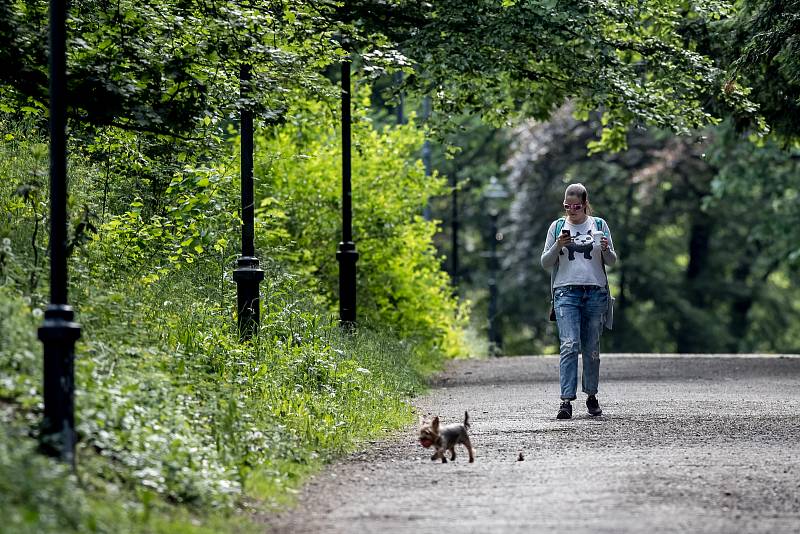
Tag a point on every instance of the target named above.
point(577, 249)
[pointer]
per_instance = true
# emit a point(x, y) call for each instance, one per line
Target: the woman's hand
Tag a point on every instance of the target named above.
point(564, 240)
point(604, 243)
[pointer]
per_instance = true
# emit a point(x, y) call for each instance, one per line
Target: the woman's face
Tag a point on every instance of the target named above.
point(573, 204)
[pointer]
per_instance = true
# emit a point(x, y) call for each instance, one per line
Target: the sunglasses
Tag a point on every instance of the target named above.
point(573, 206)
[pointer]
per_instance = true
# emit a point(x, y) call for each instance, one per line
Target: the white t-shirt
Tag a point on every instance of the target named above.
point(580, 262)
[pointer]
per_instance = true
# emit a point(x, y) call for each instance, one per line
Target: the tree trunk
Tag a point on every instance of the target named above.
point(690, 336)
point(620, 321)
point(740, 306)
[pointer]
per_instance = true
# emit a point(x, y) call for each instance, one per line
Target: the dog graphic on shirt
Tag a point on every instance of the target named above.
point(581, 244)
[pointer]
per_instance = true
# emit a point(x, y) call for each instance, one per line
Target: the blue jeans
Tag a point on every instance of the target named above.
point(579, 315)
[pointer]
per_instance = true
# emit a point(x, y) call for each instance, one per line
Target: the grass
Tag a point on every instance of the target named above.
point(181, 427)
point(176, 418)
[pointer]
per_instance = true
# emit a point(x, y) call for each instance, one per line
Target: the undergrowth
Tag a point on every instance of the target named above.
point(181, 413)
point(181, 427)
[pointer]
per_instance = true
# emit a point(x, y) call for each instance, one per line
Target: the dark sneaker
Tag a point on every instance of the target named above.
point(593, 406)
point(565, 411)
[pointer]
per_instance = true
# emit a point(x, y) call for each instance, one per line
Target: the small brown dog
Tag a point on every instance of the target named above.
point(445, 438)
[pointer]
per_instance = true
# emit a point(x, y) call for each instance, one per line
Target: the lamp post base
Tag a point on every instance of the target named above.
point(347, 256)
point(58, 335)
point(248, 276)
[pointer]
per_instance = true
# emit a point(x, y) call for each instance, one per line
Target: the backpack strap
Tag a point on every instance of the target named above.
point(557, 230)
point(599, 223)
point(559, 225)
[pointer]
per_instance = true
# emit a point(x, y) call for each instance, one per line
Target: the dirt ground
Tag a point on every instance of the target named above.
point(685, 444)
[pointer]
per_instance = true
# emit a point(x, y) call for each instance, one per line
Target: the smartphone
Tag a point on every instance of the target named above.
point(565, 232)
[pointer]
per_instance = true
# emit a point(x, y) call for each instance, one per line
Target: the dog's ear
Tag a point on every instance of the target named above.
point(435, 423)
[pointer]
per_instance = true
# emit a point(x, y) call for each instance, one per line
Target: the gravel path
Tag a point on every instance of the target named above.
point(685, 444)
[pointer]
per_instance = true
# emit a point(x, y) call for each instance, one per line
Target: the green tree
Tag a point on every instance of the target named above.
point(400, 281)
point(760, 49)
point(162, 66)
point(503, 59)
point(166, 66)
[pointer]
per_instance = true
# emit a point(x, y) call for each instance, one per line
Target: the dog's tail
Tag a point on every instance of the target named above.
point(466, 419)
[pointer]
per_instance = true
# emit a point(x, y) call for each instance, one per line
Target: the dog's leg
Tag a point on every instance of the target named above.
point(470, 450)
point(452, 453)
point(440, 452)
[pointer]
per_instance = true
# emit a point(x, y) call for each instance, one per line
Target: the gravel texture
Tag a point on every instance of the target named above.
point(687, 443)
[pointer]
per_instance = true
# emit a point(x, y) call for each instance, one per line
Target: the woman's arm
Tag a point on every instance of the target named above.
point(551, 250)
point(609, 255)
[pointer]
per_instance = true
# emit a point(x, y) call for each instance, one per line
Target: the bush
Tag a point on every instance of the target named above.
point(174, 415)
point(400, 281)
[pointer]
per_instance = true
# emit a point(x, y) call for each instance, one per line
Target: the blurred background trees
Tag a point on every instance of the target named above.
point(701, 221)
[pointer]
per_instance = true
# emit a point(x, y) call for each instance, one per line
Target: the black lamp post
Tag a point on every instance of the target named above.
point(347, 256)
point(494, 194)
point(59, 332)
point(247, 274)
